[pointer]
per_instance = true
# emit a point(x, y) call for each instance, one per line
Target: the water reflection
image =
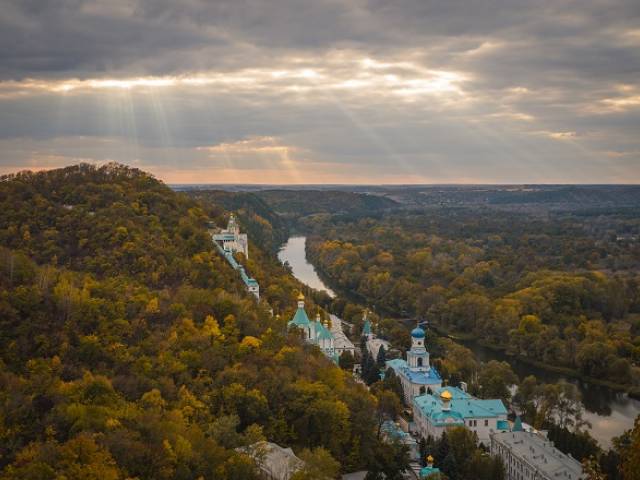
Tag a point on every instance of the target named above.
point(610, 413)
point(293, 252)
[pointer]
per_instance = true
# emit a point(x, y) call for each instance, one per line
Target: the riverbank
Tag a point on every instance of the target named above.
point(460, 337)
point(609, 411)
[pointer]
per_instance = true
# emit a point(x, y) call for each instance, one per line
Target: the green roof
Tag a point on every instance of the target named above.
point(323, 332)
point(300, 319)
point(461, 406)
point(366, 328)
point(426, 471)
point(517, 426)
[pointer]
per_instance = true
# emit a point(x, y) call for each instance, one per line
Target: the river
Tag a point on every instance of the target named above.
point(610, 413)
point(293, 253)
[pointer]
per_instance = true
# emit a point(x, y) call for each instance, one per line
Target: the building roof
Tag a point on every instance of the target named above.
point(393, 431)
point(224, 236)
point(417, 333)
point(374, 344)
point(366, 327)
point(228, 255)
point(300, 319)
point(280, 463)
point(461, 406)
point(517, 425)
point(540, 454)
point(361, 475)
point(401, 367)
point(341, 340)
point(323, 332)
point(426, 471)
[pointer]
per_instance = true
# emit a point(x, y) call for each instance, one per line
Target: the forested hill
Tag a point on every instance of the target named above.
point(293, 204)
point(128, 348)
point(107, 221)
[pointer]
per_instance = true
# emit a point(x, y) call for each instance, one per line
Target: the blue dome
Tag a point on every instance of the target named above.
point(417, 333)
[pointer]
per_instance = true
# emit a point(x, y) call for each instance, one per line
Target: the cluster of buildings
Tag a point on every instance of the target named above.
point(527, 455)
point(315, 332)
point(230, 241)
point(437, 407)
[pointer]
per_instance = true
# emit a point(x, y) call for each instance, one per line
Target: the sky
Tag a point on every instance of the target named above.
point(325, 91)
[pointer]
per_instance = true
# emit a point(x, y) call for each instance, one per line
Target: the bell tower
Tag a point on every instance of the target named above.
point(418, 357)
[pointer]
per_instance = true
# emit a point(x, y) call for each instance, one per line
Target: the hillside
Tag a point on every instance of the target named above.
point(293, 204)
point(262, 224)
point(128, 349)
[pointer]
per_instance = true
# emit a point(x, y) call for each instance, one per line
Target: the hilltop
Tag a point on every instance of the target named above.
point(295, 204)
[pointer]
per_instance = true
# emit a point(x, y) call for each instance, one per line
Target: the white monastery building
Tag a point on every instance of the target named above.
point(231, 239)
point(531, 456)
point(436, 408)
point(415, 373)
point(315, 332)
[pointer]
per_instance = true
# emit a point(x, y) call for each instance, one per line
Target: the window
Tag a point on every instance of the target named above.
point(419, 361)
point(486, 423)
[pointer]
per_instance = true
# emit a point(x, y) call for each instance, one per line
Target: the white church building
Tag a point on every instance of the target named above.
point(436, 408)
point(415, 373)
point(315, 332)
point(231, 239)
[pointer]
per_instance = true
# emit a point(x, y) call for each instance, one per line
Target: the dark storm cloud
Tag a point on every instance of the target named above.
point(77, 37)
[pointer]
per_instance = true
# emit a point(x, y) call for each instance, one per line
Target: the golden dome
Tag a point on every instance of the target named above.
point(429, 459)
point(300, 297)
point(446, 395)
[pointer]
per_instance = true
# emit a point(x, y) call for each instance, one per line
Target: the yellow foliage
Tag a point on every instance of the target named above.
point(153, 306)
point(211, 327)
point(284, 353)
point(112, 423)
point(251, 342)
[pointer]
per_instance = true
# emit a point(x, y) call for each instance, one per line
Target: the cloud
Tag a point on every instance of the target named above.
point(494, 90)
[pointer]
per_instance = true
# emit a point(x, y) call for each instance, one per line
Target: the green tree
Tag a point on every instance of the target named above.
point(450, 466)
point(346, 361)
point(630, 453)
point(318, 465)
point(381, 357)
point(80, 457)
point(495, 378)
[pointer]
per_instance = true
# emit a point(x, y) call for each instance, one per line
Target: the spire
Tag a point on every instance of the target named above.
point(301, 300)
point(517, 425)
point(366, 326)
